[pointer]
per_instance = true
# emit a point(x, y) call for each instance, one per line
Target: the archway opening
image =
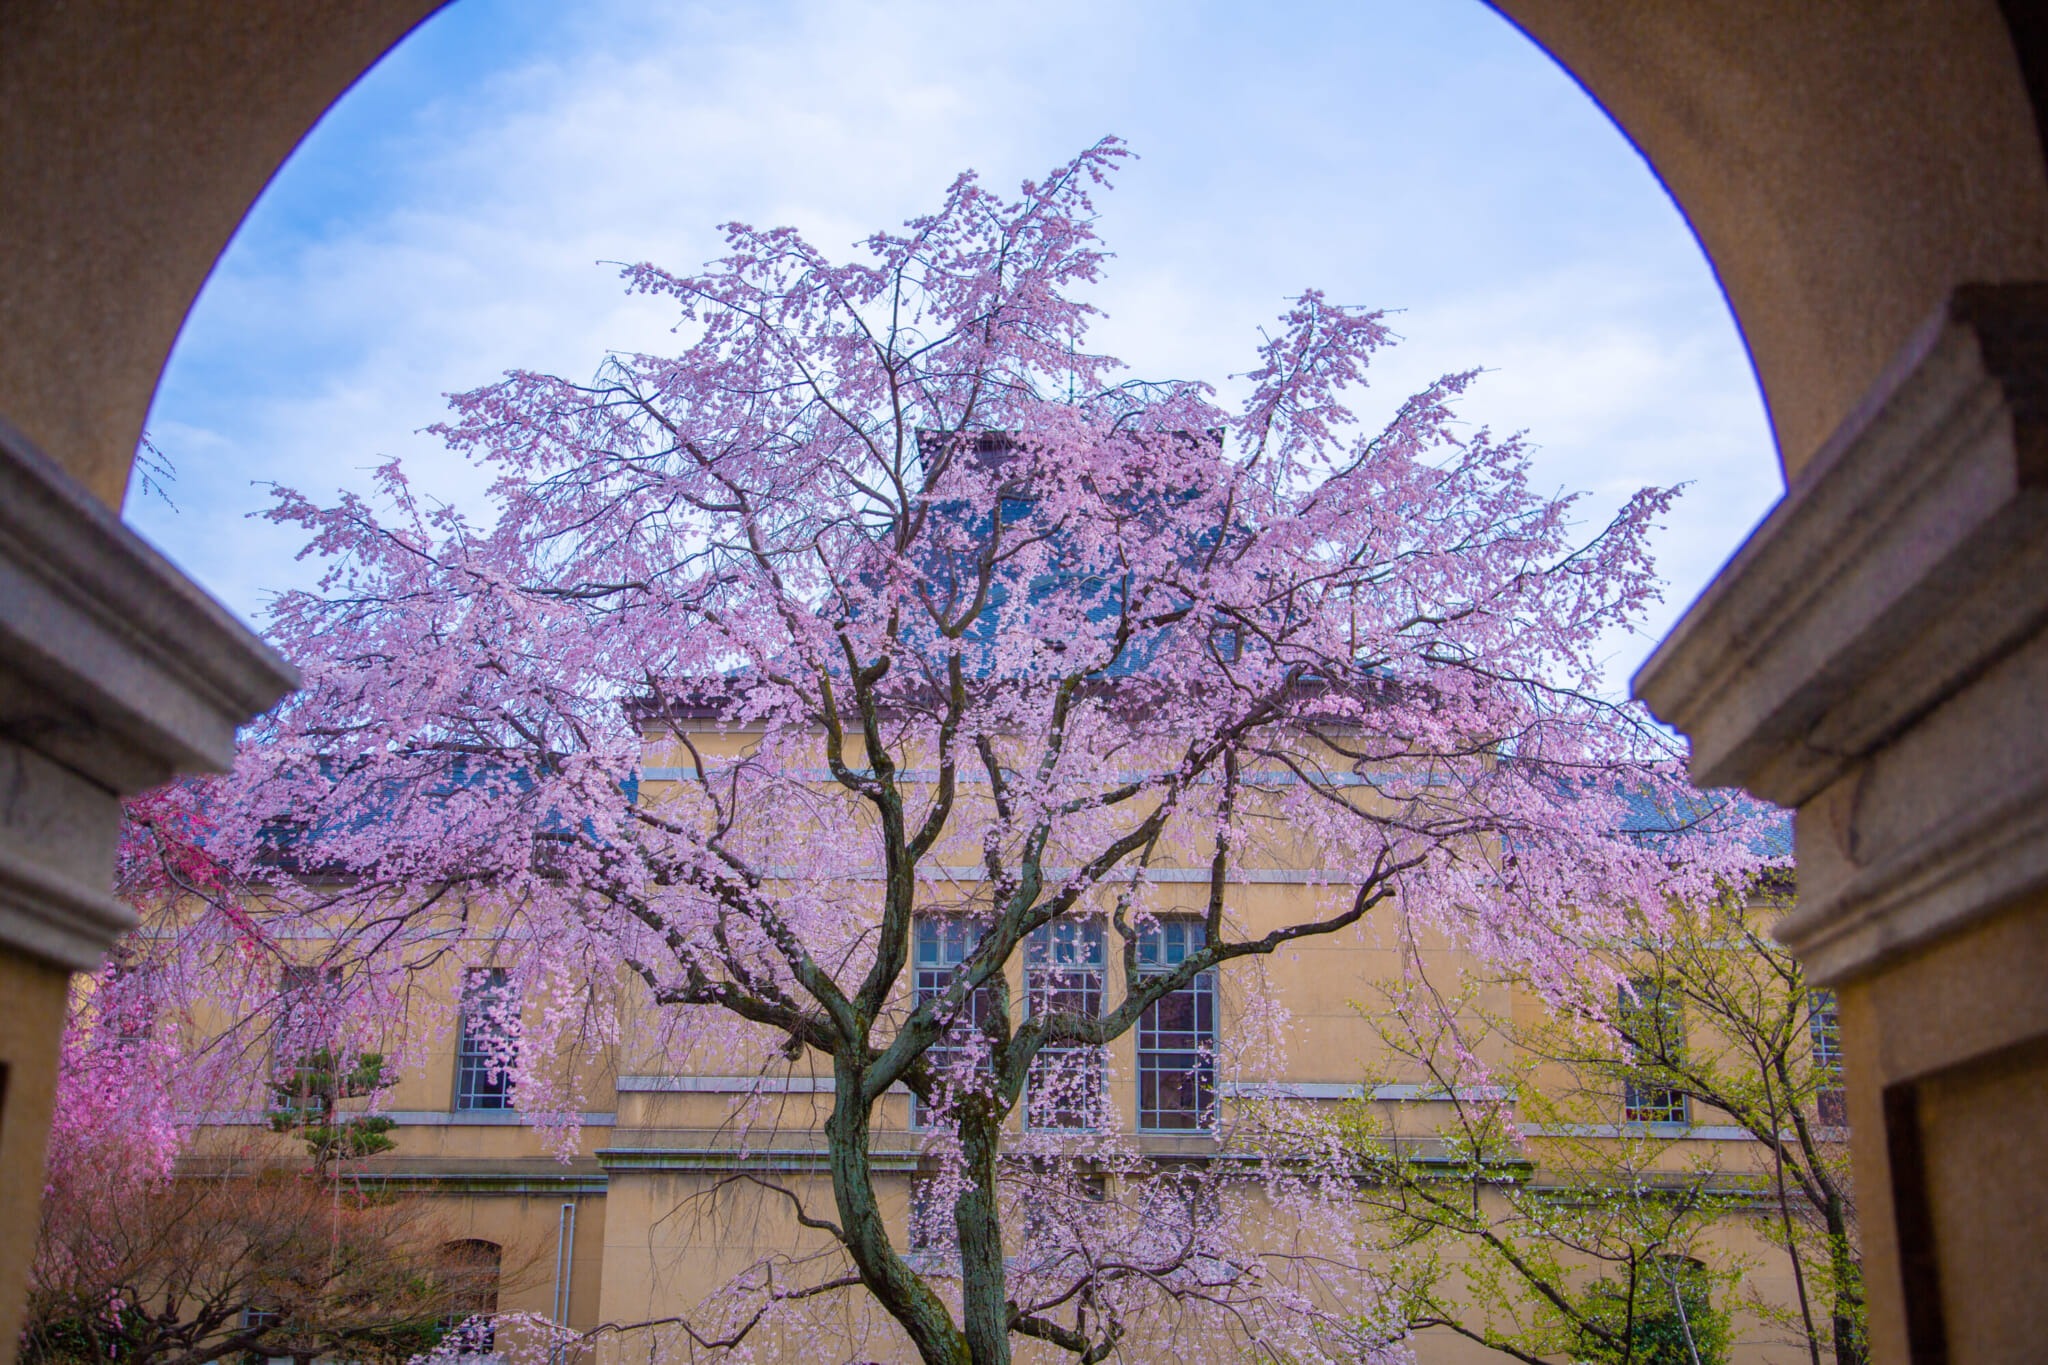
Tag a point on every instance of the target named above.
point(450, 217)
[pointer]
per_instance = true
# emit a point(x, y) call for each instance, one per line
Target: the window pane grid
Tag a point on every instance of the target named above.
point(931, 1216)
point(1824, 1020)
point(1651, 1013)
point(940, 946)
point(1652, 1104)
point(308, 1019)
point(1064, 972)
point(471, 1271)
point(486, 1050)
point(1176, 1037)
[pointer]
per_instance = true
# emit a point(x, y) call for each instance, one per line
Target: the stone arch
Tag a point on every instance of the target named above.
point(473, 1269)
point(1852, 170)
point(1844, 166)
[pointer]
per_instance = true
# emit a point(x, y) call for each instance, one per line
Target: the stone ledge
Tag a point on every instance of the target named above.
point(55, 917)
point(1908, 556)
point(115, 664)
point(1400, 1092)
point(484, 1186)
point(1874, 654)
point(116, 673)
point(1944, 829)
point(734, 1085)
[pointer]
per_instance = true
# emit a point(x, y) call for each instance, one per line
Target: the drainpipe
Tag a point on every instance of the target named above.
point(565, 1255)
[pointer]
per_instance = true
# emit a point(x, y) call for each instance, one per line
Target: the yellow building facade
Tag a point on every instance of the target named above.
point(652, 1209)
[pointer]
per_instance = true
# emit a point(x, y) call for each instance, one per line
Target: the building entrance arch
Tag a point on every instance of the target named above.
point(1869, 185)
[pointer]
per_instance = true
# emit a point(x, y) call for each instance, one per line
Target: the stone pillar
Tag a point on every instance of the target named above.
point(115, 674)
point(1875, 657)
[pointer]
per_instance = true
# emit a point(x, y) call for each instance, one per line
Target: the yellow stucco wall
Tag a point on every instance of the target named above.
point(34, 992)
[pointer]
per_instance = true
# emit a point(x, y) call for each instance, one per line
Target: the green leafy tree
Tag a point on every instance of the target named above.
point(1680, 1326)
point(1569, 1150)
point(307, 1104)
point(1761, 1049)
point(1525, 1221)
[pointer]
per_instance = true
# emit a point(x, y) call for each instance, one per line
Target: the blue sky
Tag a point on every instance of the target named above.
point(460, 211)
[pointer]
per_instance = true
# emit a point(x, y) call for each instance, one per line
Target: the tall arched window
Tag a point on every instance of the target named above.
point(1176, 1036)
point(1064, 970)
point(941, 944)
point(488, 1044)
point(470, 1270)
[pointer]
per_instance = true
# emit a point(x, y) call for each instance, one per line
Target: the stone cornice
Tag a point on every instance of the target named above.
point(115, 665)
point(1907, 557)
point(1874, 653)
point(1896, 866)
point(115, 674)
point(57, 917)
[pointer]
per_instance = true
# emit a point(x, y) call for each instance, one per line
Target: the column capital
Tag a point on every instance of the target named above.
point(116, 673)
point(1868, 655)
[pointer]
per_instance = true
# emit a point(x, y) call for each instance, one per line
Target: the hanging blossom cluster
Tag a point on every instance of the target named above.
point(127, 1081)
point(119, 1075)
point(932, 608)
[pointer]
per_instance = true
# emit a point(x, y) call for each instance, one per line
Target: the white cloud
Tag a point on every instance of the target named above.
point(450, 223)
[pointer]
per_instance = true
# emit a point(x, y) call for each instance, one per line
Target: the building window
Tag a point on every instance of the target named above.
point(1054, 1206)
point(931, 1213)
point(489, 1043)
point(1652, 1020)
point(469, 1274)
point(1176, 1037)
point(1064, 967)
point(1824, 1022)
point(1186, 1206)
point(940, 944)
point(308, 1018)
point(1641, 1103)
point(128, 1001)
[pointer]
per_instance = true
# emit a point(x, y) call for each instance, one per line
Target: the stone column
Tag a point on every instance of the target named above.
point(1875, 657)
point(115, 674)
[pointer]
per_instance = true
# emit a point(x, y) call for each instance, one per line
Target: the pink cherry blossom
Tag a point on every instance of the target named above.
point(930, 607)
